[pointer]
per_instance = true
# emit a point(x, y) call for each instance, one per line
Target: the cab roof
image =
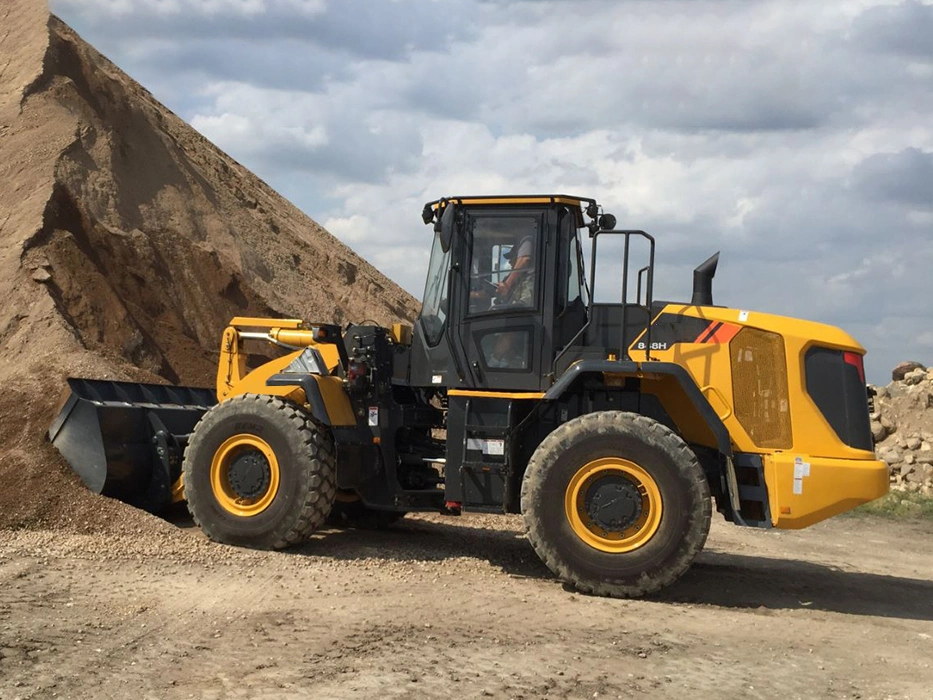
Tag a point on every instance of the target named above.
point(493, 199)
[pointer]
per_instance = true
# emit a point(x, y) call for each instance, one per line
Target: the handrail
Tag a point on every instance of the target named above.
point(641, 273)
point(649, 286)
point(649, 293)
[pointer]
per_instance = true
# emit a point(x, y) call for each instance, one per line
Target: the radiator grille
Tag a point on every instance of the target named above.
point(759, 386)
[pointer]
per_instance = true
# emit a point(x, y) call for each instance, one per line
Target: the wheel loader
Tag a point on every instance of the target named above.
point(612, 428)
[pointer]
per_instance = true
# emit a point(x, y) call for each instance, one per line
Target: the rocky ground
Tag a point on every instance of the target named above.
point(902, 425)
point(441, 607)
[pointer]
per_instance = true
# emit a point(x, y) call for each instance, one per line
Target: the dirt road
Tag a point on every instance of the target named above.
point(461, 607)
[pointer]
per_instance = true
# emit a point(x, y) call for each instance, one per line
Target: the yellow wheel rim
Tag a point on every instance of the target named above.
point(233, 448)
point(611, 475)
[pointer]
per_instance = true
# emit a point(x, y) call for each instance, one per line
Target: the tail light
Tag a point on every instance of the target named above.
point(854, 359)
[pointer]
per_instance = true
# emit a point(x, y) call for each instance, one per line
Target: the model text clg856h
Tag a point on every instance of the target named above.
point(612, 428)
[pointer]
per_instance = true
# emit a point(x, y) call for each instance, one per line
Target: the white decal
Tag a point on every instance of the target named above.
point(801, 470)
point(494, 447)
point(488, 447)
point(374, 415)
point(743, 315)
point(660, 345)
point(437, 379)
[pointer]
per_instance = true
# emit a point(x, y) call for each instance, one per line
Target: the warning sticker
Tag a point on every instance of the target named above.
point(374, 416)
point(801, 471)
point(488, 447)
point(494, 447)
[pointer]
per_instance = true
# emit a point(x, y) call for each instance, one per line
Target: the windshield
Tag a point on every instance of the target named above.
point(434, 307)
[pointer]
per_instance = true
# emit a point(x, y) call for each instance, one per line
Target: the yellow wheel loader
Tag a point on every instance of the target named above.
point(612, 428)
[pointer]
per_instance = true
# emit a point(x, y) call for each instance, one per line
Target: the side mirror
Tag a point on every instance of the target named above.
point(447, 225)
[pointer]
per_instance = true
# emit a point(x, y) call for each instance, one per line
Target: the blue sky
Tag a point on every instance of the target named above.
point(794, 136)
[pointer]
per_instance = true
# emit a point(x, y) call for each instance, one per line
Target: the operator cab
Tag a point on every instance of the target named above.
point(505, 291)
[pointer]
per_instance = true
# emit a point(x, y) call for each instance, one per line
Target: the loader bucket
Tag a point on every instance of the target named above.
point(126, 440)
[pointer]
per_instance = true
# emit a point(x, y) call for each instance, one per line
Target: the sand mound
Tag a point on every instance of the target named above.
point(127, 241)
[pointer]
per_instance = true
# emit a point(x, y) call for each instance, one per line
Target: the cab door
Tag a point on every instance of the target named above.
point(498, 334)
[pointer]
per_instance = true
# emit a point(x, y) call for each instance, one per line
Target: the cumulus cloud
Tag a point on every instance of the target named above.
point(793, 136)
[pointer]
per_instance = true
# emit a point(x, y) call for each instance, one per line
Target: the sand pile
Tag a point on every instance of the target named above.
point(127, 241)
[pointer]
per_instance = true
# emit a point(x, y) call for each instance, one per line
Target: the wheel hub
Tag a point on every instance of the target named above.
point(249, 474)
point(612, 503)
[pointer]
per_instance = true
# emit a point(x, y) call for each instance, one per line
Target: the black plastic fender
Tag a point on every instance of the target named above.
point(312, 392)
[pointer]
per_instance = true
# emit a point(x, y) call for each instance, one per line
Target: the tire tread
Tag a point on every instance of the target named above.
point(307, 438)
point(605, 422)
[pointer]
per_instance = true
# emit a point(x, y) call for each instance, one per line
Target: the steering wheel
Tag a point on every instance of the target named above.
point(489, 288)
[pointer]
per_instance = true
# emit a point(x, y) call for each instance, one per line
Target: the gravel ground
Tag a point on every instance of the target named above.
point(441, 605)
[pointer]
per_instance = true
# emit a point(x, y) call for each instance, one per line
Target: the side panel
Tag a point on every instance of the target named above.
point(256, 382)
point(699, 339)
point(698, 343)
point(661, 390)
point(690, 423)
point(339, 409)
point(752, 369)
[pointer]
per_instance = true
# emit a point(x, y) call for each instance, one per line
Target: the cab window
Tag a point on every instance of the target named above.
point(434, 306)
point(503, 262)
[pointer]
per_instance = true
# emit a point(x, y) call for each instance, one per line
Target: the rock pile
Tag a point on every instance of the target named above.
point(902, 425)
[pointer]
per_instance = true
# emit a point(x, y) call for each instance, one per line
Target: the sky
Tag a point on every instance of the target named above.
point(794, 136)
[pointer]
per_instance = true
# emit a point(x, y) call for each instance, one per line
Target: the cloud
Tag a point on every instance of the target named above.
point(904, 29)
point(904, 178)
point(795, 137)
point(360, 28)
point(340, 133)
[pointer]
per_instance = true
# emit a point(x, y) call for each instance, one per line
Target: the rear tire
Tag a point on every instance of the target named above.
point(616, 504)
point(259, 472)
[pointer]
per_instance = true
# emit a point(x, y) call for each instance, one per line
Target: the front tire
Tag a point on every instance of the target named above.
point(616, 504)
point(259, 472)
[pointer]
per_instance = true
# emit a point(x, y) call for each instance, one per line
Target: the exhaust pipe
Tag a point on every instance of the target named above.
point(703, 282)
